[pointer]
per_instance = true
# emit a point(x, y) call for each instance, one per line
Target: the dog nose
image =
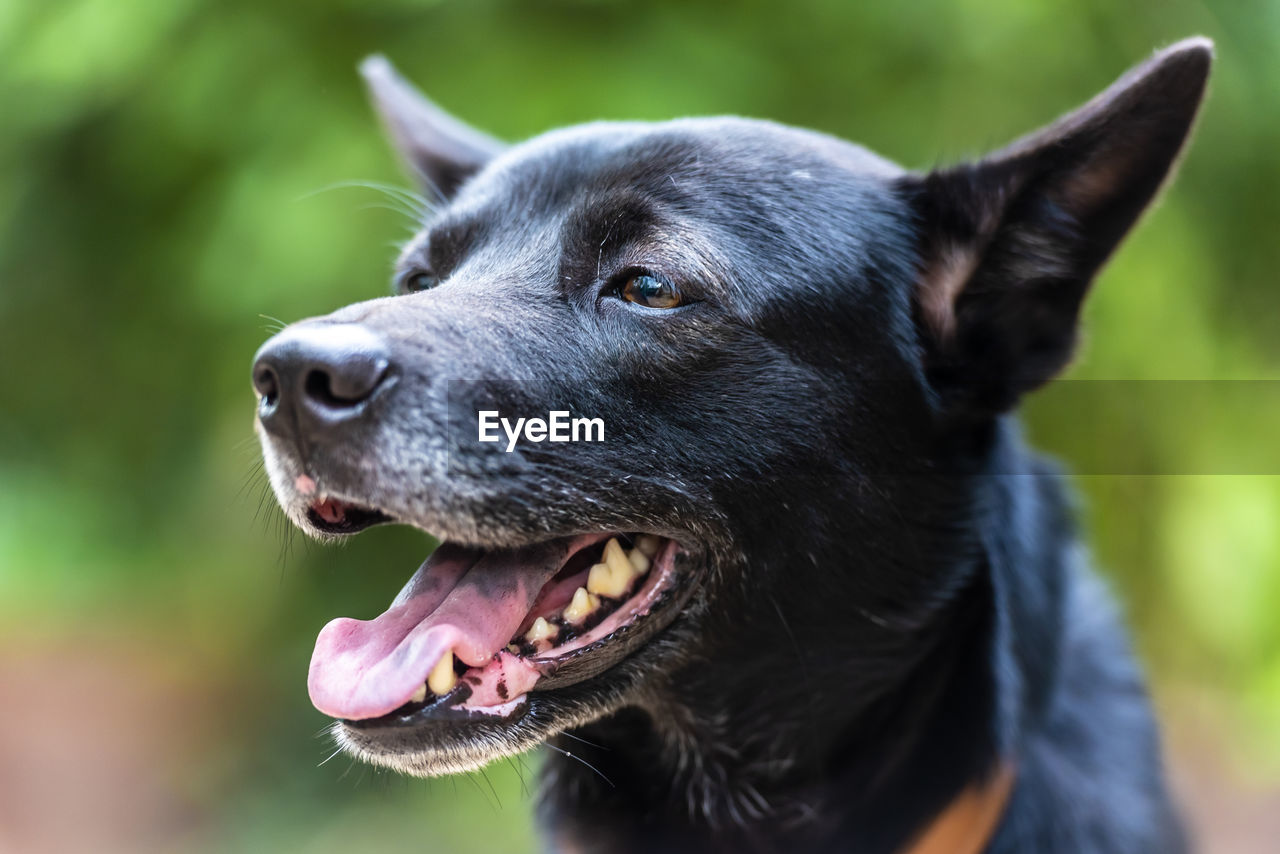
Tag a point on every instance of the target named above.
point(315, 376)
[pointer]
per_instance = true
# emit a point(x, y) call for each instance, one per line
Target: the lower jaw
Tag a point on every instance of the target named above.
point(435, 748)
point(434, 743)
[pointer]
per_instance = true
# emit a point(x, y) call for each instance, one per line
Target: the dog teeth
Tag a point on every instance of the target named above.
point(614, 575)
point(442, 678)
point(541, 630)
point(616, 558)
point(582, 606)
point(604, 580)
point(420, 695)
point(647, 545)
point(639, 562)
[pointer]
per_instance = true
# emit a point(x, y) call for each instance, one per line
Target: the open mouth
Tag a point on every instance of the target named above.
point(338, 517)
point(475, 631)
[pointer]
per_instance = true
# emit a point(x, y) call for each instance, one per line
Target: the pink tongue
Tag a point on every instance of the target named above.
point(463, 600)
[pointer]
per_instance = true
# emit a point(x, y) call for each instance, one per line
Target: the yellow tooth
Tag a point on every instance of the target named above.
point(647, 544)
point(605, 580)
point(541, 630)
point(616, 558)
point(599, 579)
point(442, 678)
point(639, 562)
point(420, 694)
point(581, 607)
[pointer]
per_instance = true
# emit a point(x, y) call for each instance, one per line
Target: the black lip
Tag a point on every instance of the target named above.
point(441, 710)
point(355, 520)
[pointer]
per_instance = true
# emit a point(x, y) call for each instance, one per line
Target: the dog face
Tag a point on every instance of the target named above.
point(793, 346)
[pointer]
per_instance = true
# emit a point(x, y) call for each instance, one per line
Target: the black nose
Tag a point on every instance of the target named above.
point(314, 376)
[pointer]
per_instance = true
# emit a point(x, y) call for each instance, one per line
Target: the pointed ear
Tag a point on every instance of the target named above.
point(1010, 244)
point(442, 151)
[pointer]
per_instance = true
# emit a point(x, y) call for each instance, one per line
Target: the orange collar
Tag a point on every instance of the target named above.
point(970, 820)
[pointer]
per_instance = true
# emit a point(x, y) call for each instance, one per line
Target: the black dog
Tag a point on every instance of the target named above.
point(810, 592)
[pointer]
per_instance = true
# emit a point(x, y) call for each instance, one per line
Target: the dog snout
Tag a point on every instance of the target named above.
point(313, 377)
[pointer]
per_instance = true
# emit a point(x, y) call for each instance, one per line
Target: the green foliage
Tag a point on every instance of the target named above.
point(173, 173)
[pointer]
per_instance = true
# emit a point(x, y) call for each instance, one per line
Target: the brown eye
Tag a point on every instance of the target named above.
point(651, 292)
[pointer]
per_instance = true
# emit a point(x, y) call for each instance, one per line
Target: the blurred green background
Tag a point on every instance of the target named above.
point(172, 173)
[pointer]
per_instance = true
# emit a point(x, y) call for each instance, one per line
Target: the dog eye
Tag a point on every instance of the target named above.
point(651, 292)
point(416, 281)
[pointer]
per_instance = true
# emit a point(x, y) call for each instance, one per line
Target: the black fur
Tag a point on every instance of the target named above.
point(887, 593)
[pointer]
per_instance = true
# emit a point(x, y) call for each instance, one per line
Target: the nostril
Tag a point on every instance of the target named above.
point(319, 387)
point(266, 384)
point(345, 383)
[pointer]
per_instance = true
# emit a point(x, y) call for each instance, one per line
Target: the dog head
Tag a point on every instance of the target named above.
point(786, 338)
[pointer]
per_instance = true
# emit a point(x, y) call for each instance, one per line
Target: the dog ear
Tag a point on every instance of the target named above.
point(441, 150)
point(1010, 243)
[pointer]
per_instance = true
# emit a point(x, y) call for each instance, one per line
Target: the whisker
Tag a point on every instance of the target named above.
point(255, 471)
point(583, 740)
point(387, 207)
point(440, 197)
point(524, 788)
point(275, 325)
point(485, 774)
point(262, 501)
point(416, 199)
point(471, 778)
point(330, 756)
point(401, 193)
point(403, 201)
point(569, 755)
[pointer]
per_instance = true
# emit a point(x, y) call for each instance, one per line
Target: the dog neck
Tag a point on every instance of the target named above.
point(882, 734)
point(788, 771)
point(969, 822)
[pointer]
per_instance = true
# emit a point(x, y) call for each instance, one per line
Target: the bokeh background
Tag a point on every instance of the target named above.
point(176, 173)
